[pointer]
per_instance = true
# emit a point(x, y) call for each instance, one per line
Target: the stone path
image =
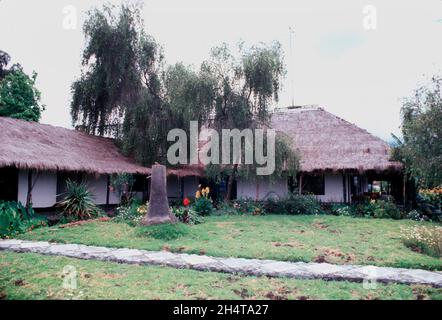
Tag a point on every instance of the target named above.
point(272, 268)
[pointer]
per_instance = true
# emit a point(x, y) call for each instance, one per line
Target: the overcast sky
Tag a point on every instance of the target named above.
point(355, 73)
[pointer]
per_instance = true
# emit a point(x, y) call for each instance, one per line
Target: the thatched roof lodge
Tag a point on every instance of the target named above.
point(31, 145)
point(338, 160)
point(37, 159)
point(45, 156)
point(329, 143)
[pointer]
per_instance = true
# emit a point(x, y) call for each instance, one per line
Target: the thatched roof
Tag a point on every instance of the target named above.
point(187, 170)
point(327, 142)
point(31, 145)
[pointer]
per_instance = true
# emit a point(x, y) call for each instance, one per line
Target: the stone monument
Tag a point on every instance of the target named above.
point(159, 211)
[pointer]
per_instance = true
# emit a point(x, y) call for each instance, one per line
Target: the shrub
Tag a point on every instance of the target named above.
point(386, 209)
point(430, 202)
point(15, 219)
point(203, 206)
point(424, 238)
point(186, 215)
point(293, 204)
point(78, 203)
point(164, 231)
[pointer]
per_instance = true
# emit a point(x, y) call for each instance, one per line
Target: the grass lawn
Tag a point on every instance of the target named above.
point(33, 276)
point(341, 240)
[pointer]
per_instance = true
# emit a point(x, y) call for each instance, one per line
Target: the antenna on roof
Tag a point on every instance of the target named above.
point(292, 62)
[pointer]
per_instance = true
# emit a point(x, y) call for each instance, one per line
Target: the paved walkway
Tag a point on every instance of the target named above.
point(299, 270)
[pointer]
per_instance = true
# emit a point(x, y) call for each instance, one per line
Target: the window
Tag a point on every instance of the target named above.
point(313, 184)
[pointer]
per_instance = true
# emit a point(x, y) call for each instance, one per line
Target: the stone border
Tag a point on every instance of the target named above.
point(255, 267)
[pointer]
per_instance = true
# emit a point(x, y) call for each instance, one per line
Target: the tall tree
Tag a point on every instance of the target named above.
point(127, 92)
point(111, 77)
point(246, 89)
point(19, 97)
point(422, 134)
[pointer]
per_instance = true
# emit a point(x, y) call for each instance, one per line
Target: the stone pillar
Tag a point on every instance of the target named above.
point(158, 203)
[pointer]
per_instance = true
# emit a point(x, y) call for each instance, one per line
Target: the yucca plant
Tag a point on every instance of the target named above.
point(78, 203)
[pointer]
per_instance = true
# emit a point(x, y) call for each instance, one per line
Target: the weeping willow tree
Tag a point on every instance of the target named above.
point(246, 89)
point(125, 90)
point(110, 78)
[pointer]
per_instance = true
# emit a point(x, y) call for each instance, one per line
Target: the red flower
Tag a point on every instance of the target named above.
point(186, 202)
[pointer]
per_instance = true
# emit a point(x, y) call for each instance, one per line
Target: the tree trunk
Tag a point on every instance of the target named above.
point(158, 203)
point(230, 183)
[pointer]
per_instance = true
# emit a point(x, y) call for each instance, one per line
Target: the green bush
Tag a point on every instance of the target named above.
point(78, 203)
point(203, 206)
point(187, 215)
point(226, 208)
point(165, 231)
point(380, 209)
point(386, 210)
point(293, 204)
point(14, 219)
point(429, 202)
point(132, 213)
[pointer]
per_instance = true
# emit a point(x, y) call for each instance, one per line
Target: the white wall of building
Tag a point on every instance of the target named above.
point(44, 191)
point(334, 189)
point(261, 190)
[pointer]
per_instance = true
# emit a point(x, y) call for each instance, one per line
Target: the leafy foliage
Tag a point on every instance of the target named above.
point(203, 206)
point(110, 77)
point(126, 91)
point(246, 89)
point(78, 203)
point(380, 209)
point(422, 134)
point(19, 98)
point(429, 202)
point(186, 215)
point(15, 219)
point(293, 204)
